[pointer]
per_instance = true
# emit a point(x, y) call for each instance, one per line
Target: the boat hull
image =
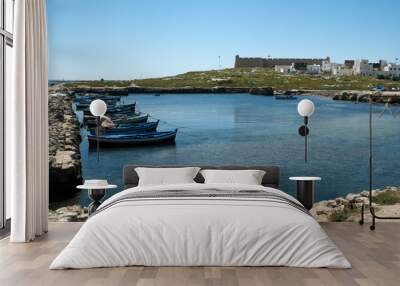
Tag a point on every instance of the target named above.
point(136, 119)
point(134, 128)
point(86, 104)
point(136, 140)
point(114, 110)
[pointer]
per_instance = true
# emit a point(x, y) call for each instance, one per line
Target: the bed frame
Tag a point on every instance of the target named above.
point(271, 177)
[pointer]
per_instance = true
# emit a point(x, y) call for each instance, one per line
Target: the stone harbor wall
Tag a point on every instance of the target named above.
point(64, 153)
point(340, 209)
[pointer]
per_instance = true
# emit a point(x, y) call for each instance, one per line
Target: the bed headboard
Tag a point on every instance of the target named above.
point(271, 177)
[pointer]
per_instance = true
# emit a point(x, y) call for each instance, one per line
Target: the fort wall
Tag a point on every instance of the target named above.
point(272, 62)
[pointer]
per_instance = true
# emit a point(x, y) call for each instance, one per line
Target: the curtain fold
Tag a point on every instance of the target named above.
point(27, 124)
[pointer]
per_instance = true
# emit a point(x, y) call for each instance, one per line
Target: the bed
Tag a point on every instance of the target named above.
point(198, 224)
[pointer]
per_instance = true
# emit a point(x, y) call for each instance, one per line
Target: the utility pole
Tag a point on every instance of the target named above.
point(219, 62)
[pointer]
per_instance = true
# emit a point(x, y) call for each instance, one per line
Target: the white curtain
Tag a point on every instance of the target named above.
point(27, 124)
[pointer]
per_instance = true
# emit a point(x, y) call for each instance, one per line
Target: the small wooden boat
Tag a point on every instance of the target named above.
point(131, 128)
point(167, 137)
point(88, 97)
point(133, 119)
point(86, 104)
point(287, 97)
point(128, 108)
point(139, 118)
point(115, 116)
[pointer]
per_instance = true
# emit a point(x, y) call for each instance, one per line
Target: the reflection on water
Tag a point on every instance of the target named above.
point(242, 129)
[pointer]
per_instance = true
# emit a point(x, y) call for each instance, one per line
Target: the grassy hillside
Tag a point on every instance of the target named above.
point(251, 78)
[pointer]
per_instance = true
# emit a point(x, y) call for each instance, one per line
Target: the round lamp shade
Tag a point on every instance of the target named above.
point(98, 107)
point(306, 107)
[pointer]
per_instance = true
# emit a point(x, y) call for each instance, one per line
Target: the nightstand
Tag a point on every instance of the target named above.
point(96, 191)
point(305, 190)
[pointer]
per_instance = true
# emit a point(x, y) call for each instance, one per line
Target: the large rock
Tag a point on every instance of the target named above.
point(262, 91)
point(69, 214)
point(64, 151)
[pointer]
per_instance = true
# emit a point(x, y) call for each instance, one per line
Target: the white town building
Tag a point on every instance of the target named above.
point(341, 70)
point(362, 67)
point(327, 66)
point(314, 69)
point(392, 69)
point(284, 68)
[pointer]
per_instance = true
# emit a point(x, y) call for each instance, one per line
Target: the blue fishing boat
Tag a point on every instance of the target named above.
point(85, 104)
point(287, 97)
point(137, 118)
point(90, 97)
point(128, 108)
point(129, 128)
point(146, 138)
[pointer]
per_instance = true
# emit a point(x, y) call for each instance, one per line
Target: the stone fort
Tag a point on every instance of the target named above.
point(272, 62)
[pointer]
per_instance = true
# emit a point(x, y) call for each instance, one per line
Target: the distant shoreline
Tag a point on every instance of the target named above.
point(347, 95)
point(115, 90)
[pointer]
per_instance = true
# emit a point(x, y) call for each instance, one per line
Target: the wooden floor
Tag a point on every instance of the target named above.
point(375, 257)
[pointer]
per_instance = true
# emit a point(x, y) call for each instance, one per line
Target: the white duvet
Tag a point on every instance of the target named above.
point(203, 232)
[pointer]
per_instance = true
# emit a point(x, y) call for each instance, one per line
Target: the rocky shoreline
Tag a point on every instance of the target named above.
point(64, 151)
point(71, 213)
point(386, 201)
point(348, 95)
point(340, 209)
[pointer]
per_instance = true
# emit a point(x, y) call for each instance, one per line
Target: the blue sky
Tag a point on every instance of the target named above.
point(127, 39)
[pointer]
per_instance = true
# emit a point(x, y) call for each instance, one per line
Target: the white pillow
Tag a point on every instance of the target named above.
point(248, 177)
point(166, 176)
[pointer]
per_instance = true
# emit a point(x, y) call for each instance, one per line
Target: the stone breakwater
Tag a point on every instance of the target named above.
point(64, 152)
point(386, 201)
point(340, 209)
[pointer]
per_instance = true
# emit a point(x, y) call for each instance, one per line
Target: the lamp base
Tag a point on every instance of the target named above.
point(304, 130)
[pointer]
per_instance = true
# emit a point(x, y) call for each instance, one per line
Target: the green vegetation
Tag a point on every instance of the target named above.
point(258, 77)
point(387, 198)
point(342, 215)
point(249, 77)
point(98, 83)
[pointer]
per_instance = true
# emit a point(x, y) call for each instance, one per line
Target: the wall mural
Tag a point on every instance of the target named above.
point(231, 110)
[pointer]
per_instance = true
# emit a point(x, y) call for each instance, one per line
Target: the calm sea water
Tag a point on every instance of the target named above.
point(242, 129)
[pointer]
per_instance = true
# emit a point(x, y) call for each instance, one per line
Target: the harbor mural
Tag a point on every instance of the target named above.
point(211, 83)
point(225, 129)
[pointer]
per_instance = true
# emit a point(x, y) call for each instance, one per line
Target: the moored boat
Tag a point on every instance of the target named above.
point(128, 108)
point(131, 128)
point(86, 104)
point(166, 137)
point(90, 97)
point(138, 118)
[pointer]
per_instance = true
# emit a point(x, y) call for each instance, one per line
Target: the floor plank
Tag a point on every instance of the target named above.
point(375, 257)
